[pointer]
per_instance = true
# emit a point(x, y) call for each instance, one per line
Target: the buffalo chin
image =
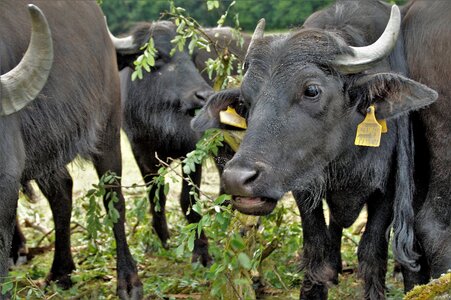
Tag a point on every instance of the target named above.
point(256, 206)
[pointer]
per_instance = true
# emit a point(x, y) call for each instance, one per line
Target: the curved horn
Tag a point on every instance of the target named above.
point(125, 45)
point(258, 33)
point(23, 84)
point(366, 57)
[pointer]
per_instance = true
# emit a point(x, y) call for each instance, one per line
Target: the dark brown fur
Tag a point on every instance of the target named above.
point(77, 113)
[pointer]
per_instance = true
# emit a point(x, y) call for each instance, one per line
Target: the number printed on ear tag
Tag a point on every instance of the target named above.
point(232, 118)
point(369, 131)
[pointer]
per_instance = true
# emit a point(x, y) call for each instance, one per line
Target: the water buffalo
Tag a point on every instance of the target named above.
point(427, 39)
point(305, 93)
point(157, 111)
point(165, 99)
point(77, 112)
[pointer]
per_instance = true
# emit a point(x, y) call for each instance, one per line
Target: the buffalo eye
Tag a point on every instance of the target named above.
point(312, 91)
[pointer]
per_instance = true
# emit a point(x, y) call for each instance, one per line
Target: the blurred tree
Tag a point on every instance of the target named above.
point(279, 14)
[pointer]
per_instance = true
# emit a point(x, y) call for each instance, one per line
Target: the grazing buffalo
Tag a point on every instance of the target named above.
point(306, 92)
point(157, 111)
point(76, 111)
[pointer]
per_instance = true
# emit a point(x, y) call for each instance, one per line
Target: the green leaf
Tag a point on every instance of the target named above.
point(222, 198)
point(7, 287)
point(237, 242)
point(146, 67)
point(151, 61)
point(179, 251)
point(197, 208)
point(134, 75)
point(244, 260)
point(191, 241)
point(186, 169)
point(166, 189)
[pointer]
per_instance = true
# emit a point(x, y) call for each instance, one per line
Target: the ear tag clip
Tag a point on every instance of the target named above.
point(233, 138)
point(232, 118)
point(384, 125)
point(369, 131)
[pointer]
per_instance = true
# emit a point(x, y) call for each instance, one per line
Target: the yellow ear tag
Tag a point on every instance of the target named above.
point(369, 131)
point(233, 138)
point(232, 118)
point(384, 125)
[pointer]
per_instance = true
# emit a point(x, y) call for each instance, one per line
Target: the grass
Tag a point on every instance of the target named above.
point(166, 275)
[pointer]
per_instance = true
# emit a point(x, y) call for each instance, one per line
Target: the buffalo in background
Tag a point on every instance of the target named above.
point(157, 111)
point(77, 112)
point(305, 93)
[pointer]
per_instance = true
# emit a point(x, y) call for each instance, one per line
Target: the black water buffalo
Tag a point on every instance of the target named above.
point(77, 112)
point(158, 109)
point(427, 37)
point(157, 113)
point(305, 93)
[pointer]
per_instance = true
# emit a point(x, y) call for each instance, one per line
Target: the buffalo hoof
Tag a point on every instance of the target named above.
point(165, 245)
point(200, 252)
point(130, 289)
point(313, 292)
point(136, 293)
point(63, 281)
point(204, 258)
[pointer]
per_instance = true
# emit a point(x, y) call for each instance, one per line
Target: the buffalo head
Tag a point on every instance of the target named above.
point(306, 92)
point(174, 81)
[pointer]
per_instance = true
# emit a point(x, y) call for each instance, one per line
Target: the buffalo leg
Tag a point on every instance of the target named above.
point(128, 284)
point(8, 200)
point(200, 251)
point(19, 243)
point(412, 278)
point(148, 165)
point(373, 247)
point(316, 244)
point(335, 232)
point(57, 188)
point(433, 224)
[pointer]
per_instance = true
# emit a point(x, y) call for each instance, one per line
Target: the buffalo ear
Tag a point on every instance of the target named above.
point(392, 94)
point(208, 116)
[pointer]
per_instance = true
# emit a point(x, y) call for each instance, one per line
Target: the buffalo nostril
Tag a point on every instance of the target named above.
point(249, 177)
point(239, 181)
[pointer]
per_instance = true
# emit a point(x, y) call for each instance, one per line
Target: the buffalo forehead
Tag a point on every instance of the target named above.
point(314, 46)
point(294, 50)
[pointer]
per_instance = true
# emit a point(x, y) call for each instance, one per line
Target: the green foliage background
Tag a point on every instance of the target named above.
point(279, 14)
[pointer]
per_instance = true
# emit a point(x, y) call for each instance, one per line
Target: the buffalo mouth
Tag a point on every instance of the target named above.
point(256, 206)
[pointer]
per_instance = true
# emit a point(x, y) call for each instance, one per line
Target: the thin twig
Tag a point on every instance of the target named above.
point(218, 48)
point(38, 227)
point(349, 237)
point(44, 237)
point(233, 287)
point(269, 249)
point(165, 164)
point(280, 278)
